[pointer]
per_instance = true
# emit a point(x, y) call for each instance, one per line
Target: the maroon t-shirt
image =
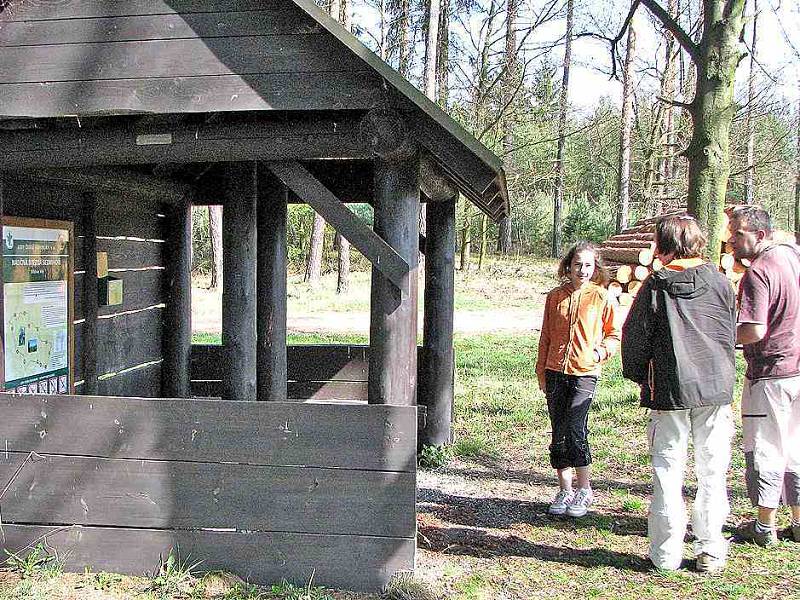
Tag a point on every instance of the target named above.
point(769, 293)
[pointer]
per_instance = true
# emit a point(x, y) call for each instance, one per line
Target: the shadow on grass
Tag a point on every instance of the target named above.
point(501, 513)
point(471, 542)
point(493, 469)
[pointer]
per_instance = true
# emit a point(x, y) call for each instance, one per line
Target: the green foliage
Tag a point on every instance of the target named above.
point(585, 221)
point(105, 581)
point(434, 457)
point(404, 586)
point(175, 575)
point(35, 563)
point(289, 591)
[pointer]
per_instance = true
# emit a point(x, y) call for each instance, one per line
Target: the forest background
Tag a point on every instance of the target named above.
point(585, 112)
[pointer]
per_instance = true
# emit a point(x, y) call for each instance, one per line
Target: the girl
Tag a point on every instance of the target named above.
point(579, 333)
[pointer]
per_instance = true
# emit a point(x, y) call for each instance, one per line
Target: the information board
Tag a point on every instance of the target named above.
point(37, 306)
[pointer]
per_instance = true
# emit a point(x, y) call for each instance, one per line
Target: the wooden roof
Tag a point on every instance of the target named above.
point(100, 58)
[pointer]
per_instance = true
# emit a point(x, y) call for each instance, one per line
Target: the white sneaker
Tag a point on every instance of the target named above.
point(580, 503)
point(561, 502)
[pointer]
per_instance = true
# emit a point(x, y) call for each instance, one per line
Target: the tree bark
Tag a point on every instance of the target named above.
point(712, 112)
point(750, 184)
point(482, 255)
point(314, 261)
point(443, 54)
point(623, 204)
point(431, 47)
point(558, 196)
point(215, 233)
point(466, 239)
point(509, 90)
point(797, 182)
point(400, 28)
point(343, 282)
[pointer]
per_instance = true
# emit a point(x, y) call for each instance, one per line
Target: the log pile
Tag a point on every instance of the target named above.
point(629, 256)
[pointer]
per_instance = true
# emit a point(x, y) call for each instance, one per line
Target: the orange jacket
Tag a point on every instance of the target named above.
point(575, 324)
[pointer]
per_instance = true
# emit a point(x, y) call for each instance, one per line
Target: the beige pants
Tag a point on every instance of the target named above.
point(711, 429)
point(771, 440)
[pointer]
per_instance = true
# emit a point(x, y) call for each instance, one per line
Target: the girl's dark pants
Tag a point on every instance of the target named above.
point(568, 401)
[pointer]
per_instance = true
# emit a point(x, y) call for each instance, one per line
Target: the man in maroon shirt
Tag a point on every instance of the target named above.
point(769, 330)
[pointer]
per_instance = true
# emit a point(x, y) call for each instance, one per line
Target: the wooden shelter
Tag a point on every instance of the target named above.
point(116, 116)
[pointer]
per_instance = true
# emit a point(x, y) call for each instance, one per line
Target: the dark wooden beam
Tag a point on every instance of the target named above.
point(391, 264)
point(271, 285)
point(438, 366)
point(177, 332)
point(111, 179)
point(90, 300)
point(239, 282)
point(284, 137)
point(393, 308)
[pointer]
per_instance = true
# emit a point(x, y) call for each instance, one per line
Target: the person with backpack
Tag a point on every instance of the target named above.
point(678, 344)
point(769, 330)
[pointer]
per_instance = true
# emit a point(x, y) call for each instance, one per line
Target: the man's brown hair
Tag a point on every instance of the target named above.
point(680, 236)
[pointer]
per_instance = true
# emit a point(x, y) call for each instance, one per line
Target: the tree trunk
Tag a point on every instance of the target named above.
point(344, 14)
point(482, 255)
point(558, 197)
point(712, 112)
point(335, 9)
point(215, 233)
point(400, 26)
point(750, 184)
point(625, 137)
point(314, 261)
point(668, 93)
point(382, 35)
point(466, 239)
point(797, 182)
point(431, 47)
point(509, 90)
point(343, 282)
point(442, 54)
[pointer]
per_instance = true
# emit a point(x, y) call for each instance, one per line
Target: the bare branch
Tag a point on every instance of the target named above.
point(673, 27)
point(685, 105)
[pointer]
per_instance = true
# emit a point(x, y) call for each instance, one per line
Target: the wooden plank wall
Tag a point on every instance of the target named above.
point(132, 232)
point(265, 490)
point(324, 372)
point(173, 56)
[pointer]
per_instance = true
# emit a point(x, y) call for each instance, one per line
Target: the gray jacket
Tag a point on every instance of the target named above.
point(678, 341)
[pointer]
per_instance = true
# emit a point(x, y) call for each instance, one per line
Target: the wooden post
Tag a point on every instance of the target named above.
point(436, 385)
point(177, 340)
point(90, 302)
point(272, 200)
point(239, 282)
point(393, 310)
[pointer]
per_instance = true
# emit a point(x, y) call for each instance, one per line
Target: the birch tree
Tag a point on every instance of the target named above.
point(623, 202)
point(750, 184)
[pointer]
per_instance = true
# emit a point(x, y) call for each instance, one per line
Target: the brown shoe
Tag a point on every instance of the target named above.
point(749, 533)
point(791, 533)
point(710, 565)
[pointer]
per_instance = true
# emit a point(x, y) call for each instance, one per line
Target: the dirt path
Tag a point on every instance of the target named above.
point(207, 317)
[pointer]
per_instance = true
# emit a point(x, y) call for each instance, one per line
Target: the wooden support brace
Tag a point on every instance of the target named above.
point(382, 256)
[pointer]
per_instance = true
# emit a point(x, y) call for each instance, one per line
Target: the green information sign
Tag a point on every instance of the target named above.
point(37, 295)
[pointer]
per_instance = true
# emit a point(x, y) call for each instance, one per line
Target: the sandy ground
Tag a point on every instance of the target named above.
point(207, 317)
